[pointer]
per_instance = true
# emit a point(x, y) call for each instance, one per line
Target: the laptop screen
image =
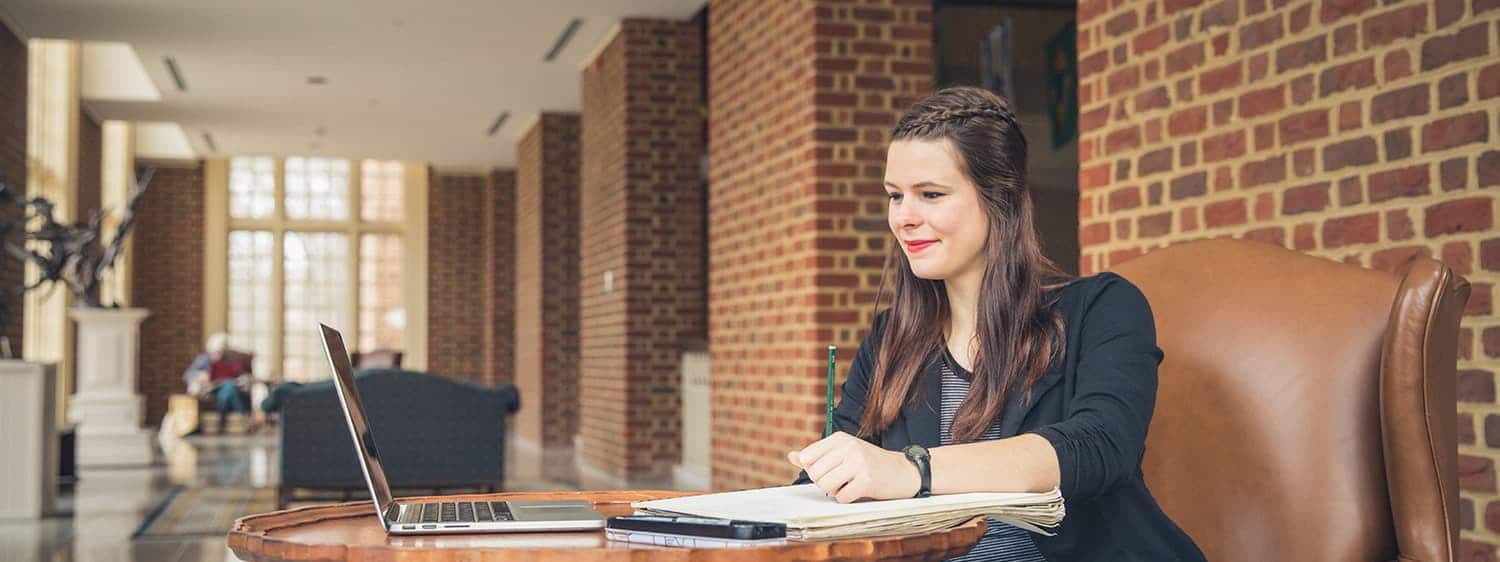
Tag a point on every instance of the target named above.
point(354, 413)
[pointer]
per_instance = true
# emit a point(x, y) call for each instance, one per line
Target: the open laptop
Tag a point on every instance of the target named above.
point(408, 517)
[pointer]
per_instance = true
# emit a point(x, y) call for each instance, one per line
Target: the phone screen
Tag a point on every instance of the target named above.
point(699, 527)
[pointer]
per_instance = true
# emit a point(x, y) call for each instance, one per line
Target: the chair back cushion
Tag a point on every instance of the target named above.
point(377, 359)
point(1266, 438)
point(246, 359)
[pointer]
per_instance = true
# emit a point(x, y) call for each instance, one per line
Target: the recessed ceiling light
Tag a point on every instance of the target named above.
point(317, 80)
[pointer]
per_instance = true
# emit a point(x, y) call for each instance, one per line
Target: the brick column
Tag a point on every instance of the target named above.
point(471, 275)
point(546, 352)
point(802, 96)
point(641, 250)
point(455, 270)
point(499, 278)
point(13, 67)
point(169, 283)
point(1358, 131)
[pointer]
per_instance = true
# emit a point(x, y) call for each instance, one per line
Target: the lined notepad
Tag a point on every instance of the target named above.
point(810, 515)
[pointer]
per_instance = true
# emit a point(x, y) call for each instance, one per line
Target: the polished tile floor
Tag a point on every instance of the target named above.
point(96, 519)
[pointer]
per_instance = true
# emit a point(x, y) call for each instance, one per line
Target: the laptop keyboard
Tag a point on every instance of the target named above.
point(460, 512)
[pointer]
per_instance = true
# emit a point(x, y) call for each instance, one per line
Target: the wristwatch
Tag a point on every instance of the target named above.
point(918, 455)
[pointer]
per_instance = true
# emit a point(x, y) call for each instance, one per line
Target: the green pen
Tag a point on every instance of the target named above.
point(828, 417)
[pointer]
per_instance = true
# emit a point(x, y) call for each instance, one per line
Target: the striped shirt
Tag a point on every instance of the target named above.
point(1001, 541)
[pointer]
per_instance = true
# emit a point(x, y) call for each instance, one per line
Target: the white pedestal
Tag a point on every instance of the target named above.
point(694, 472)
point(28, 439)
point(106, 407)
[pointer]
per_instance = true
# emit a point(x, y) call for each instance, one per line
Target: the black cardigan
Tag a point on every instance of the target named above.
point(1093, 406)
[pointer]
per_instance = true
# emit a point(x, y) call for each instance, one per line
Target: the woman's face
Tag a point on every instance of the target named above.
point(935, 210)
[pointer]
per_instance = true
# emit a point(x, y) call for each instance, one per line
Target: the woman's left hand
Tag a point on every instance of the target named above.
point(849, 469)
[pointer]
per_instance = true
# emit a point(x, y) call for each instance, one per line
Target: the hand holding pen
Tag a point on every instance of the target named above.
point(828, 414)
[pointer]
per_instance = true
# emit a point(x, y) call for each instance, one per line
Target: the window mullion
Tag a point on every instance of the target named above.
point(315, 225)
point(251, 224)
point(380, 228)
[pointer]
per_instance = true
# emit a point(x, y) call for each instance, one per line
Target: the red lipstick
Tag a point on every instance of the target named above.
point(914, 246)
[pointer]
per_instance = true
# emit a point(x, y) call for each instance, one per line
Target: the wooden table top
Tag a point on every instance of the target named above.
point(349, 532)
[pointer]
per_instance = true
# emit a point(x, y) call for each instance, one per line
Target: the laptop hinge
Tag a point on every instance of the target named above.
point(392, 512)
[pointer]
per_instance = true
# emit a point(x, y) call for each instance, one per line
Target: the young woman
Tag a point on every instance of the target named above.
point(992, 371)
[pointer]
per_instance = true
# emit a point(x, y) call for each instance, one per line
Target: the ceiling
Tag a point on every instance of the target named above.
point(403, 80)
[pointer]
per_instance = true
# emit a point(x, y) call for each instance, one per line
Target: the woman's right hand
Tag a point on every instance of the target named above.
point(849, 469)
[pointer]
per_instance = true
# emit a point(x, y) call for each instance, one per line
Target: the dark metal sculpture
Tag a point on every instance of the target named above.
point(71, 254)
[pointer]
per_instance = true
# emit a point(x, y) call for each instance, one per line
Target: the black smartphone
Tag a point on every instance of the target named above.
point(693, 531)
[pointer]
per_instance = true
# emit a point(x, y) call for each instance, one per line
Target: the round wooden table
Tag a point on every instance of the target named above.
point(349, 532)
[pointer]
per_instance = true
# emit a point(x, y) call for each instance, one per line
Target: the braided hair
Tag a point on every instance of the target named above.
point(953, 107)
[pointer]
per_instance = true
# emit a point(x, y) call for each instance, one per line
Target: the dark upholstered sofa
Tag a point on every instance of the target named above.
point(433, 433)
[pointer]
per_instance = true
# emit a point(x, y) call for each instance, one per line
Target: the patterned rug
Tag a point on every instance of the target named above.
point(203, 512)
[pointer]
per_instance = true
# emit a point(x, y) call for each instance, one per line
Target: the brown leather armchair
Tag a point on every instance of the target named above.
point(1306, 408)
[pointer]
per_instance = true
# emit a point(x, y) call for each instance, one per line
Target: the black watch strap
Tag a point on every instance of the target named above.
point(919, 456)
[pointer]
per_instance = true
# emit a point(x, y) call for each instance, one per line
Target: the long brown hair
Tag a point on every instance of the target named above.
point(1018, 333)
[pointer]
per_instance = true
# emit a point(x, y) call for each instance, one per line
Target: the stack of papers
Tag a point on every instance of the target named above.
point(810, 515)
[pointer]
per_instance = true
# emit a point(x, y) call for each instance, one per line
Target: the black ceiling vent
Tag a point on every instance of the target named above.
point(499, 122)
point(176, 73)
point(562, 40)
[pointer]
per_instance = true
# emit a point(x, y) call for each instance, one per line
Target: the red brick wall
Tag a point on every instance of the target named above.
point(546, 353)
point(455, 275)
point(169, 228)
point(1349, 129)
point(642, 223)
point(802, 96)
point(13, 64)
point(499, 210)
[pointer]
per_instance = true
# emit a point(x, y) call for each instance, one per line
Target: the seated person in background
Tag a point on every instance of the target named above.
point(216, 372)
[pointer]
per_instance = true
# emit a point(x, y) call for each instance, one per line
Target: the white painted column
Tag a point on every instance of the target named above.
point(216, 250)
point(414, 269)
point(52, 172)
point(117, 178)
